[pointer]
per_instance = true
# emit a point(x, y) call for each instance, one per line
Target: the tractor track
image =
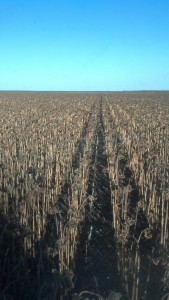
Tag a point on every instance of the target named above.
point(96, 268)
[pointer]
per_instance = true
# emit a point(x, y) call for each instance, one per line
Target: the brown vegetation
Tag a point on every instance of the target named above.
point(70, 166)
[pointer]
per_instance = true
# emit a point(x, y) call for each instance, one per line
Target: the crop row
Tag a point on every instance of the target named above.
point(137, 134)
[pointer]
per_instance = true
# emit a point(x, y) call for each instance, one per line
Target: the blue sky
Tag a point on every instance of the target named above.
point(84, 44)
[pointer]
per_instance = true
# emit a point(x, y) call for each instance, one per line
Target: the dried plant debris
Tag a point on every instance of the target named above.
point(84, 193)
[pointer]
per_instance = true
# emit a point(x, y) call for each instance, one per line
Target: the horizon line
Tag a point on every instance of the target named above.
point(87, 91)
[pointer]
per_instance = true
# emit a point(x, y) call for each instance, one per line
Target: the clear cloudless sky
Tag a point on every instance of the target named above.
point(84, 44)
